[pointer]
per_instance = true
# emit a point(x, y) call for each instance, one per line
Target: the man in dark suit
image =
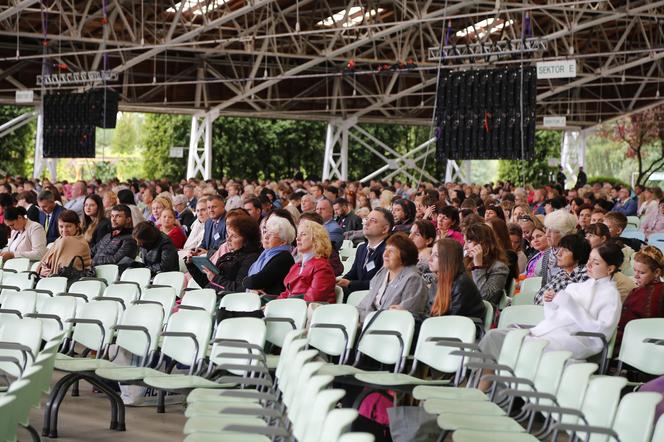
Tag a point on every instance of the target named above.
point(348, 221)
point(48, 217)
point(369, 255)
point(215, 227)
point(28, 200)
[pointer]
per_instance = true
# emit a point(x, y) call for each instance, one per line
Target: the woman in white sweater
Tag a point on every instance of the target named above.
point(590, 306)
point(28, 238)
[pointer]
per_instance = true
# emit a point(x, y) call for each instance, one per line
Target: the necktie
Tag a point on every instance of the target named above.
point(370, 253)
point(48, 222)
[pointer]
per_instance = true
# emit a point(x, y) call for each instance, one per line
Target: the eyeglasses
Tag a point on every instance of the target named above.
point(523, 218)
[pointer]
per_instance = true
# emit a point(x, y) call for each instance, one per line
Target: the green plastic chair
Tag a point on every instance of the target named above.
point(332, 330)
point(175, 280)
point(466, 435)
point(201, 299)
point(339, 294)
point(348, 263)
point(123, 294)
point(50, 287)
point(633, 420)
point(337, 423)
point(357, 437)
point(54, 314)
point(17, 305)
point(634, 234)
point(27, 392)
point(433, 332)
point(19, 340)
point(8, 421)
point(356, 297)
point(14, 283)
point(658, 434)
point(241, 302)
point(529, 288)
point(16, 265)
point(107, 272)
point(523, 315)
point(636, 351)
point(281, 317)
point(138, 276)
point(634, 221)
point(347, 253)
point(163, 296)
point(85, 291)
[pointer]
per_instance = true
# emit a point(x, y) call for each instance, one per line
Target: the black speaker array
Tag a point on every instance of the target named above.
point(478, 114)
point(70, 121)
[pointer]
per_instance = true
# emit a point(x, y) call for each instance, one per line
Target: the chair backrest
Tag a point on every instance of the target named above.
point(192, 284)
point(348, 263)
point(550, 371)
point(529, 358)
point(521, 314)
point(54, 284)
point(634, 221)
point(8, 422)
point(21, 303)
point(635, 417)
point(171, 279)
point(107, 272)
point(18, 282)
point(347, 253)
point(297, 374)
point(634, 234)
point(241, 302)
point(324, 403)
point(282, 316)
point(388, 349)
point(333, 328)
point(488, 315)
point(90, 288)
point(140, 276)
point(247, 330)
point(347, 244)
point(147, 316)
point(601, 401)
point(643, 356)
point(301, 409)
point(95, 336)
point(128, 293)
point(61, 307)
point(458, 328)
point(205, 299)
point(529, 288)
point(355, 297)
point(338, 294)
point(658, 434)
point(573, 384)
point(288, 350)
point(26, 332)
point(187, 350)
point(162, 295)
point(17, 264)
point(338, 422)
point(509, 352)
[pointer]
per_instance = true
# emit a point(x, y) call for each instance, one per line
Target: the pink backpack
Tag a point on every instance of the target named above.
point(374, 407)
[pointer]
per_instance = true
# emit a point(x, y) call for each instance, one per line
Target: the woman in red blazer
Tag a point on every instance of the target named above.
point(312, 277)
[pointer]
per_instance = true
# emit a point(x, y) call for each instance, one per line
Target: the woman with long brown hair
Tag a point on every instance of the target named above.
point(486, 260)
point(455, 293)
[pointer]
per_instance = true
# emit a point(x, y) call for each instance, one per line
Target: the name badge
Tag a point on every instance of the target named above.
point(370, 266)
point(216, 236)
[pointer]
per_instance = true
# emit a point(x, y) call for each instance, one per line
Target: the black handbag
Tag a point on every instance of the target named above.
point(72, 273)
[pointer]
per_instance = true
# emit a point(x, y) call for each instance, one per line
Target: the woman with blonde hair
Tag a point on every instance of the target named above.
point(160, 203)
point(312, 277)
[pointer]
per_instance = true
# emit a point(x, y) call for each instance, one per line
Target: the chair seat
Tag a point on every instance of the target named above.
point(392, 379)
point(215, 424)
point(60, 356)
point(126, 374)
point(165, 381)
point(229, 435)
point(442, 406)
point(214, 395)
point(201, 408)
point(74, 365)
point(456, 421)
point(482, 436)
point(466, 394)
point(343, 370)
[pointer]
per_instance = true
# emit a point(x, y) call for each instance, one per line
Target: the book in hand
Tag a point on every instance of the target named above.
point(204, 262)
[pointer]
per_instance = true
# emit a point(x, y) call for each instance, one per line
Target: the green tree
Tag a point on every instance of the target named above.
point(18, 147)
point(160, 132)
point(536, 171)
point(126, 137)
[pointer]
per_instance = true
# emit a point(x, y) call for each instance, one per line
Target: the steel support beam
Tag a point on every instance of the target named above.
point(17, 122)
point(199, 159)
point(4, 15)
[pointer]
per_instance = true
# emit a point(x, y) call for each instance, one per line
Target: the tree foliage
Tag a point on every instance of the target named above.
point(17, 147)
point(160, 132)
point(643, 136)
point(536, 171)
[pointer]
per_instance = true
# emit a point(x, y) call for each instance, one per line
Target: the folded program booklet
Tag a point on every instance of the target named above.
point(204, 262)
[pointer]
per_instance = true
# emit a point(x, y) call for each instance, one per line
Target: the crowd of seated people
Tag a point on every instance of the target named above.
point(430, 250)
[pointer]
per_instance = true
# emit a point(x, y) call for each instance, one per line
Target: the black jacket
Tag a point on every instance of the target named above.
point(364, 269)
point(350, 222)
point(33, 213)
point(162, 257)
point(187, 217)
point(271, 278)
point(233, 269)
point(111, 249)
point(103, 228)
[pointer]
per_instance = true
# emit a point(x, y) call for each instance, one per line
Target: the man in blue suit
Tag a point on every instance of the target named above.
point(369, 255)
point(215, 227)
point(49, 214)
point(334, 230)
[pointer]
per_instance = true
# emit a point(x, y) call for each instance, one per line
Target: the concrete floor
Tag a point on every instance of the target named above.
point(87, 417)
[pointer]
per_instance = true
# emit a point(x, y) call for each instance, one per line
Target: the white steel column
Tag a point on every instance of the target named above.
point(199, 159)
point(454, 172)
point(573, 151)
point(335, 162)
